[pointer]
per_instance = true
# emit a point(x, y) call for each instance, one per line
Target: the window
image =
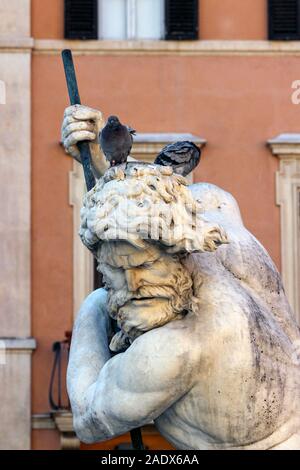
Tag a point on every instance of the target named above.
point(81, 19)
point(284, 19)
point(112, 19)
point(287, 148)
point(131, 19)
point(181, 19)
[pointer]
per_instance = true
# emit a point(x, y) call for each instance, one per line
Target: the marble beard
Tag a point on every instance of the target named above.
point(208, 342)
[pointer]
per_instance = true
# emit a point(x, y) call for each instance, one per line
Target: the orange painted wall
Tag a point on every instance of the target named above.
point(52, 239)
point(52, 234)
point(236, 103)
point(45, 439)
point(219, 19)
point(233, 19)
point(47, 19)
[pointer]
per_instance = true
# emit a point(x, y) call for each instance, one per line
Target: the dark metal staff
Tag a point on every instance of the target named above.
point(86, 160)
point(84, 148)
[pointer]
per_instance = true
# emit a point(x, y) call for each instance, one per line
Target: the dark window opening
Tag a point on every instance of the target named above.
point(81, 19)
point(181, 19)
point(284, 19)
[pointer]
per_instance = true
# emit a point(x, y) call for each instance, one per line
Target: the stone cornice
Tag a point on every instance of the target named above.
point(42, 421)
point(201, 47)
point(16, 44)
point(192, 48)
point(18, 344)
point(148, 145)
point(285, 146)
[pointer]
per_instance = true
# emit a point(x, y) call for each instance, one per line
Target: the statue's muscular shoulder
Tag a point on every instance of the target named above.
point(177, 336)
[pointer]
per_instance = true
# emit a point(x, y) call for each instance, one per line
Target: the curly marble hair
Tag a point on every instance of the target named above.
point(141, 203)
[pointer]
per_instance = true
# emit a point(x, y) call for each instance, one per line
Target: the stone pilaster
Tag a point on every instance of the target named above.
point(15, 147)
point(287, 148)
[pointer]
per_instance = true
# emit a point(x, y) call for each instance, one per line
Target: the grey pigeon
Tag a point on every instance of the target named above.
point(116, 141)
point(183, 157)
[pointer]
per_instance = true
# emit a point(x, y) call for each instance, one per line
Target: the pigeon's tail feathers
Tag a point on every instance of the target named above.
point(161, 161)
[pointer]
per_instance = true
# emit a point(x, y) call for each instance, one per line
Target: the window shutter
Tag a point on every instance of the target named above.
point(181, 19)
point(81, 19)
point(284, 19)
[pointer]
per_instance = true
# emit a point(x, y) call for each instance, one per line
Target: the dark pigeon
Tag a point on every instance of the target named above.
point(183, 157)
point(116, 141)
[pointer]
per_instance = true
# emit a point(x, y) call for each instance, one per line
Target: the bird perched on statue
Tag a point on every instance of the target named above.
point(183, 157)
point(116, 141)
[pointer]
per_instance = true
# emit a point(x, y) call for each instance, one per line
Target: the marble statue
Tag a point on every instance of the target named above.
point(207, 347)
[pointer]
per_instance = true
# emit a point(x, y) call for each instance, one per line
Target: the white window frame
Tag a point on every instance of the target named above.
point(131, 21)
point(287, 148)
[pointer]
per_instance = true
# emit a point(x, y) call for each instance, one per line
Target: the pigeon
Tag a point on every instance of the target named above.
point(116, 141)
point(183, 157)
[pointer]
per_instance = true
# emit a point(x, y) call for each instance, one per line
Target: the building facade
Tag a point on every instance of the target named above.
point(231, 87)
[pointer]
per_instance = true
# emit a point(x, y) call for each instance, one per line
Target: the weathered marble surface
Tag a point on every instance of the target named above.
point(210, 336)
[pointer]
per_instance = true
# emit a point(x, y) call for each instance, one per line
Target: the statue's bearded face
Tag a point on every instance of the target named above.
point(153, 210)
point(146, 287)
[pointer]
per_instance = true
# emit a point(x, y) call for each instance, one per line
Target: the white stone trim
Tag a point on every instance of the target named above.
point(145, 148)
point(287, 148)
point(15, 44)
point(42, 421)
point(161, 47)
point(15, 206)
point(83, 264)
point(15, 404)
point(64, 424)
point(131, 22)
point(15, 18)
point(19, 344)
point(62, 421)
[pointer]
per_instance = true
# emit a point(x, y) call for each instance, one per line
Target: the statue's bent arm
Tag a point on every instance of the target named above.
point(111, 395)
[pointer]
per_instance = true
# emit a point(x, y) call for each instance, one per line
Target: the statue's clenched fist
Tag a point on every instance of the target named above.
point(83, 123)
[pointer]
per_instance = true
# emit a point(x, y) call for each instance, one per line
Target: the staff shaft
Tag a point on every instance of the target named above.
point(83, 146)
